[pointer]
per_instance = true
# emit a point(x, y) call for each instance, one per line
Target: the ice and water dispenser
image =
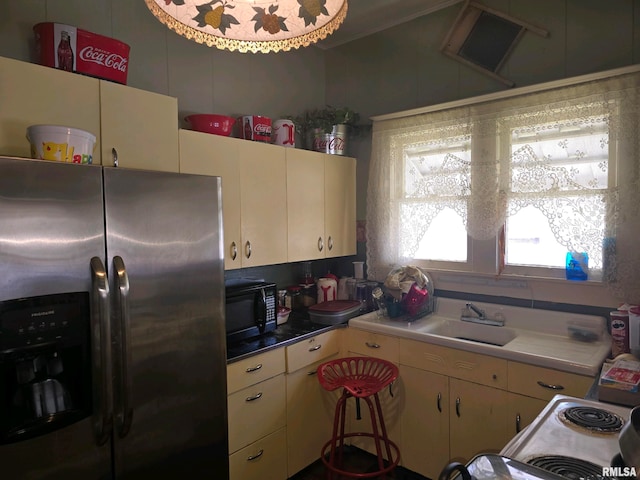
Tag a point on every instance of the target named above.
point(45, 364)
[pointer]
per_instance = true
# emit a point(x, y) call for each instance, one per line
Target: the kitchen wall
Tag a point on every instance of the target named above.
point(397, 69)
point(205, 80)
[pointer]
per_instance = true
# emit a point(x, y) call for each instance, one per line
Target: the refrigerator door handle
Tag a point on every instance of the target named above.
point(101, 352)
point(124, 412)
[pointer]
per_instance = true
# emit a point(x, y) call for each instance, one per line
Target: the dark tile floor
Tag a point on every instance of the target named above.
point(356, 460)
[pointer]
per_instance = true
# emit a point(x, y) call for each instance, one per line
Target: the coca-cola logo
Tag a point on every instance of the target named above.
point(336, 144)
point(104, 58)
point(262, 129)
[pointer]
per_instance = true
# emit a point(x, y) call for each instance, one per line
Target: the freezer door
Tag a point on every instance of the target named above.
point(52, 224)
point(164, 256)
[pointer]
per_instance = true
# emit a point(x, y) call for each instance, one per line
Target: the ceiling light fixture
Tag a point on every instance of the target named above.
point(251, 25)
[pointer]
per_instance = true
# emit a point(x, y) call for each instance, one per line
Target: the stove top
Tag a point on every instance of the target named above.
point(571, 437)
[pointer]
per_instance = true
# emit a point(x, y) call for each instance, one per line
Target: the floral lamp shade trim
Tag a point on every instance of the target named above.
point(251, 25)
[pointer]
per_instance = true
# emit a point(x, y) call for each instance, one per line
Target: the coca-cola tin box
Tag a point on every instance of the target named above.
point(70, 48)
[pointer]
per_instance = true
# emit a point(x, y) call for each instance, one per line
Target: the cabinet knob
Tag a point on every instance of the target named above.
point(458, 406)
point(320, 244)
point(330, 243)
point(247, 249)
point(439, 402)
point(372, 345)
point(317, 347)
point(253, 369)
point(234, 250)
point(517, 423)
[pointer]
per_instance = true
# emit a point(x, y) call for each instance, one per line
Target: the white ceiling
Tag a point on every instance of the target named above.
point(365, 17)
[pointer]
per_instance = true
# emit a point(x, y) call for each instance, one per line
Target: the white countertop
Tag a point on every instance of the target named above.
point(541, 336)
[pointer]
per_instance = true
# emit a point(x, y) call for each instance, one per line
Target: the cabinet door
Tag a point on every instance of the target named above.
point(205, 154)
point(478, 419)
point(263, 187)
point(141, 126)
point(305, 205)
point(34, 95)
point(522, 411)
point(310, 410)
point(340, 205)
point(425, 421)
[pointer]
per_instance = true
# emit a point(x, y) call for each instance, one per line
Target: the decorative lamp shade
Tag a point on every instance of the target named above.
point(251, 25)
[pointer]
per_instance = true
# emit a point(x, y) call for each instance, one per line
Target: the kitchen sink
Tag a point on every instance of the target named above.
point(472, 332)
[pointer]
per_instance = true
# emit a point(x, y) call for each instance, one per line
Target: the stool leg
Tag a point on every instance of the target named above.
point(376, 433)
point(383, 427)
point(338, 422)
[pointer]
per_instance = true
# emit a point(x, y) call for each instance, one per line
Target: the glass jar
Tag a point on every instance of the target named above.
point(293, 300)
point(308, 293)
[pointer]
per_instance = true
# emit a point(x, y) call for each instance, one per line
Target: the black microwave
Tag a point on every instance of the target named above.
point(250, 310)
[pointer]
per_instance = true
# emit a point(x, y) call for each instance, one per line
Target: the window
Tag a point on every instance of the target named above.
point(555, 167)
point(557, 189)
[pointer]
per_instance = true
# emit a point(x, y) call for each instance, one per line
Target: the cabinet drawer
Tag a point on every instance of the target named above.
point(425, 356)
point(373, 345)
point(262, 459)
point(312, 350)
point(544, 383)
point(256, 411)
point(477, 368)
point(255, 369)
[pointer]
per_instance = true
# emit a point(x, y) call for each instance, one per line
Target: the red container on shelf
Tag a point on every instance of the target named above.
point(70, 48)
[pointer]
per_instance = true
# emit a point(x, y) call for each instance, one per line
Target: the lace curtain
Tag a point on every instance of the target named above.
point(490, 162)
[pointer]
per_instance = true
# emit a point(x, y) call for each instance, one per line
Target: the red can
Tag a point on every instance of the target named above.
point(70, 48)
point(256, 128)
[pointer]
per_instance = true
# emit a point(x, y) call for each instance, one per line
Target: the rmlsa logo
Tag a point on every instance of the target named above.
point(619, 472)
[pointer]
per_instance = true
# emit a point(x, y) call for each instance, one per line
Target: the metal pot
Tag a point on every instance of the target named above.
point(629, 440)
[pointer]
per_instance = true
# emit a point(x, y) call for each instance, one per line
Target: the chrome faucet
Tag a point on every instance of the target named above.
point(467, 316)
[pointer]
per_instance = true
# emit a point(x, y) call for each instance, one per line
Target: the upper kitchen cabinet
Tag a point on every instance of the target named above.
point(254, 196)
point(340, 205)
point(139, 127)
point(321, 208)
point(32, 94)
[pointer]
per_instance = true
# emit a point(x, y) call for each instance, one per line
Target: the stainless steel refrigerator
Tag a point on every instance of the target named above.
point(112, 344)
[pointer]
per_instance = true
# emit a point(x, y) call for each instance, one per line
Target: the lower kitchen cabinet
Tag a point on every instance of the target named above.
point(477, 419)
point(264, 458)
point(522, 410)
point(256, 398)
point(310, 407)
point(363, 343)
point(424, 421)
point(456, 405)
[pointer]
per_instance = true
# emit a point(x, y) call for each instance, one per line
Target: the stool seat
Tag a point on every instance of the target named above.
point(362, 378)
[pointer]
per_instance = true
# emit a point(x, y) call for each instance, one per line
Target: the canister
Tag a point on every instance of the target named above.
point(327, 289)
point(619, 332)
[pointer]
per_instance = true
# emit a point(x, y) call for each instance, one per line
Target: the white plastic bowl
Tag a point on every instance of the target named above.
point(61, 144)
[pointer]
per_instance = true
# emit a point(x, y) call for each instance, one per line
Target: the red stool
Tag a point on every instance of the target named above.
point(362, 378)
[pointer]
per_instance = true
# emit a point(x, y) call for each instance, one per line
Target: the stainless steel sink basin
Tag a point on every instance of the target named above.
point(472, 332)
